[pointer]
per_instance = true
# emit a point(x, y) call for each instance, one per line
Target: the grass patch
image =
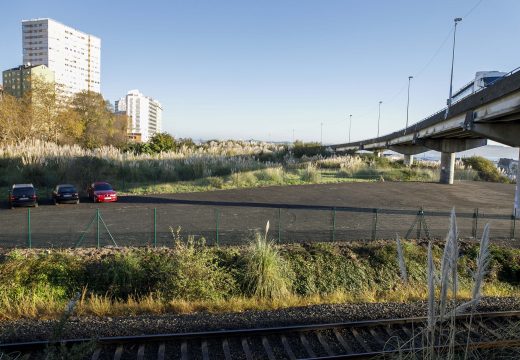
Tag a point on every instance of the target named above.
point(194, 277)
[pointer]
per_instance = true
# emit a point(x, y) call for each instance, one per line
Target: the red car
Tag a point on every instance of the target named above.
point(101, 192)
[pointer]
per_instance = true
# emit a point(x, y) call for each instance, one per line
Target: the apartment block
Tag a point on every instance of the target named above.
point(144, 113)
point(73, 55)
point(17, 81)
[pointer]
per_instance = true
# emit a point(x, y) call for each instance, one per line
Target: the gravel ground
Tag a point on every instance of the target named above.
point(30, 330)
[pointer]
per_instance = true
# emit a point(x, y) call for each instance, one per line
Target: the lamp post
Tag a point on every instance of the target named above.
point(379, 118)
point(456, 21)
point(349, 127)
point(408, 102)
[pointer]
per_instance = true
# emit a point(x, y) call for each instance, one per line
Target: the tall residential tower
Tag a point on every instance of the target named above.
point(74, 56)
point(144, 113)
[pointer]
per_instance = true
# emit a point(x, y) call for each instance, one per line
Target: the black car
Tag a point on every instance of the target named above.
point(22, 195)
point(65, 193)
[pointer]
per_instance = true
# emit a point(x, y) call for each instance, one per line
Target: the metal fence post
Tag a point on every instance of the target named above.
point(29, 237)
point(279, 224)
point(97, 231)
point(475, 224)
point(154, 227)
point(217, 224)
point(333, 224)
point(513, 224)
point(374, 224)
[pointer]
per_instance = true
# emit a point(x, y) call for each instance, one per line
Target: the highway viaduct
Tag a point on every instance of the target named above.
point(491, 113)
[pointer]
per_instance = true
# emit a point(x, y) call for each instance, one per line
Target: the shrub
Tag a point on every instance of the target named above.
point(310, 174)
point(270, 175)
point(310, 149)
point(487, 171)
point(195, 274)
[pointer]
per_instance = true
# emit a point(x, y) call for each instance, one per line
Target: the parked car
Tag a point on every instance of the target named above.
point(101, 191)
point(65, 193)
point(22, 195)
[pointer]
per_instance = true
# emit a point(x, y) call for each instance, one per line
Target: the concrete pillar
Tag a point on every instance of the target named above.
point(408, 160)
point(378, 153)
point(517, 192)
point(447, 167)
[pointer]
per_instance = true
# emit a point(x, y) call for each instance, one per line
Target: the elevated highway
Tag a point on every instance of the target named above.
point(491, 113)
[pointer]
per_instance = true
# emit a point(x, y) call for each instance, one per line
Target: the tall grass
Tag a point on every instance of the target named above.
point(265, 270)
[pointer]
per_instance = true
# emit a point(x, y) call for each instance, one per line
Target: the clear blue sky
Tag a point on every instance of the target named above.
point(259, 69)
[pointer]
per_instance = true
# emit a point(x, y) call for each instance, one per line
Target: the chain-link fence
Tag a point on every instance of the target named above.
point(226, 223)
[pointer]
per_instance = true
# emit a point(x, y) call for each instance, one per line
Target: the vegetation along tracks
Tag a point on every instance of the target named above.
point(349, 340)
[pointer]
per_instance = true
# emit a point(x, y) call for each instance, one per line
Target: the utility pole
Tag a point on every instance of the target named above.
point(379, 118)
point(349, 127)
point(321, 134)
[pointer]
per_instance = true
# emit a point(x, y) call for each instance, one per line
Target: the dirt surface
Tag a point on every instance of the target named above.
point(131, 220)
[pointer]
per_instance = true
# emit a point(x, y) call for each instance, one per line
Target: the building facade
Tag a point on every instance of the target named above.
point(144, 114)
point(17, 81)
point(74, 56)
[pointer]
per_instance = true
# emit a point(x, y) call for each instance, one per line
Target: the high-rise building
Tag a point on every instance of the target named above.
point(144, 113)
point(17, 81)
point(74, 56)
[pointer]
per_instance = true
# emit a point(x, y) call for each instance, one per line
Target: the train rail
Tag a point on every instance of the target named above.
point(349, 340)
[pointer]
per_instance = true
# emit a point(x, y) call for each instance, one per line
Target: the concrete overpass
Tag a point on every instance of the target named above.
point(492, 113)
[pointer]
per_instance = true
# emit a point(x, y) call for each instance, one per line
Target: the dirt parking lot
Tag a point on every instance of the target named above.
point(131, 220)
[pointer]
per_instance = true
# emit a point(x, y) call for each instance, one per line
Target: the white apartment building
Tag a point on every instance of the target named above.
point(74, 56)
point(144, 113)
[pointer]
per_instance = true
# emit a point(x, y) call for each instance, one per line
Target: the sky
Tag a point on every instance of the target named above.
point(277, 70)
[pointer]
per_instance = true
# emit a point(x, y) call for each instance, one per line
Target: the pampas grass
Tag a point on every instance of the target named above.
point(400, 256)
point(265, 270)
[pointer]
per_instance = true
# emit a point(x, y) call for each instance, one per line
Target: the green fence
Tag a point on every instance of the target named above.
point(220, 223)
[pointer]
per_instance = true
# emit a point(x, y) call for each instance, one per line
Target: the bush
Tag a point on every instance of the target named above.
point(270, 175)
point(196, 274)
point(310, 174)
point(310, 149)
point(487, 171)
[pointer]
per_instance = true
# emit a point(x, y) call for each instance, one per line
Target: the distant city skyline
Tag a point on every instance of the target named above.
point(229, 69)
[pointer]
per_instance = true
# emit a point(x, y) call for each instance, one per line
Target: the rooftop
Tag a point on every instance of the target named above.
point(57, 22)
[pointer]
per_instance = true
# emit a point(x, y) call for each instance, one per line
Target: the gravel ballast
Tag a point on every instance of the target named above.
point(88, 327)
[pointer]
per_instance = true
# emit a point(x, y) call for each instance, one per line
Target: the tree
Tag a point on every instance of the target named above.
point(101, 126)
point(14, 122)
point(161, 142)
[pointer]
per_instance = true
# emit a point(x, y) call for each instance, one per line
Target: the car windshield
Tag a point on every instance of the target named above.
point(23, 191)
point(102, 187)
point(67, 189)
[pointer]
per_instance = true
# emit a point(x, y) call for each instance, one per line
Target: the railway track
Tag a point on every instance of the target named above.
point(349, 340)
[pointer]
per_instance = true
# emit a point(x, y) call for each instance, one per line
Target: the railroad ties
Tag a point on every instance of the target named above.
point(351, 340)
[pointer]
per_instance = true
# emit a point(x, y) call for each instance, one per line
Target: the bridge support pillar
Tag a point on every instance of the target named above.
point(408, 160)
point(517, 193)
point(447, 167)
point(378, 153)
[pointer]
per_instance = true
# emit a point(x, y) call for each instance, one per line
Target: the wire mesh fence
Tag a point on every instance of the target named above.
point(228, 223)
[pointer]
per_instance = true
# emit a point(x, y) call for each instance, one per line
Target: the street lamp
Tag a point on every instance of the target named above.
point(379, 118)
point(456, 21)
point(408, 102)
point(349, 127)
